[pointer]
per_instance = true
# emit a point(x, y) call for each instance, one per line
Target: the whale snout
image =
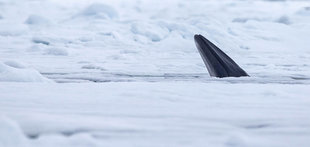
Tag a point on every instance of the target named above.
point(217, 62)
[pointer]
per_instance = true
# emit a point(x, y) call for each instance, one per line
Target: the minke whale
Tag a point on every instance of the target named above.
point(217, 62)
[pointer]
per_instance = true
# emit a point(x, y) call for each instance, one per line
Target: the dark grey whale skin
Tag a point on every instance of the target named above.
point(217, 62)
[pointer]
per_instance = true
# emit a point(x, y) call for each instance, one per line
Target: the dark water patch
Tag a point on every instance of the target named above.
point(33, 136)
point(257, 126)
point(69, 133)
point(105, 133)
point(40, 41)
point(300, 78)
point(284, 20)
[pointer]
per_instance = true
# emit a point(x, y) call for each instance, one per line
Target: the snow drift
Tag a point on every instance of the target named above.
point(16, 72)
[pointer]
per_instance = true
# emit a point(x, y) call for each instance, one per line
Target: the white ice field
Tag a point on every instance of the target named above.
point(126, 73)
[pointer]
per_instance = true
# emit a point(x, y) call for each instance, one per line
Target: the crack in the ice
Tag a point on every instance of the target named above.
point(103, 77)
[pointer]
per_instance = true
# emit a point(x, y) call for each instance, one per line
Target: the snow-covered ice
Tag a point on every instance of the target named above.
point(127, 73)
point(12, 71)
point(158, 114)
